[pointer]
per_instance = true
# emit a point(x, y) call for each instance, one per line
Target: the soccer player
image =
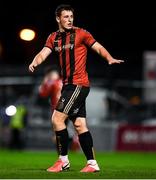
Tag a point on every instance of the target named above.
point(71, 44)
point(51, 86)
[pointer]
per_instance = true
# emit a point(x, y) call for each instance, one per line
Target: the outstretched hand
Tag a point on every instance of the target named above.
point(32, 67)
point(115, 61)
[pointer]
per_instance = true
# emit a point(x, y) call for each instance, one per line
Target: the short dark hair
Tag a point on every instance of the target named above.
point(63, 7)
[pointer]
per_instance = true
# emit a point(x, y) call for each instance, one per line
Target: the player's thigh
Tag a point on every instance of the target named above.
point(58, 116)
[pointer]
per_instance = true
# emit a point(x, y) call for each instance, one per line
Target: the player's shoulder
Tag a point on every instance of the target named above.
point(59, 83)
point(52, 35)
point(81, 30)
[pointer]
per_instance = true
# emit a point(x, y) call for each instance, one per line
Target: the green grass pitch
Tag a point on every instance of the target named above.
point(33, 164)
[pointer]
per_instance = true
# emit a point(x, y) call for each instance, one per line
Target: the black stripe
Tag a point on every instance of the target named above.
point(92, 43)
point(64, 56)
point(49, 47)
point(56, 41)
point(72, 56)
point(56, 47)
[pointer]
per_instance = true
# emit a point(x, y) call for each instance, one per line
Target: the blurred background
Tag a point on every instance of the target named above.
point(122, 103)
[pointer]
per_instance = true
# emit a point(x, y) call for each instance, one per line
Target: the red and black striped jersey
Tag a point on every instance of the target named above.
point(71, 47)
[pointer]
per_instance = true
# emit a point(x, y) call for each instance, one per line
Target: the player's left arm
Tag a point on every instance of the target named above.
point(97, 47)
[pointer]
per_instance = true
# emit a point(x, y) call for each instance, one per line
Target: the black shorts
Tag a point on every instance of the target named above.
point(73, 100)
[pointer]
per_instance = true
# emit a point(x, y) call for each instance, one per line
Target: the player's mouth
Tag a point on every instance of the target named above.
point(70, 25)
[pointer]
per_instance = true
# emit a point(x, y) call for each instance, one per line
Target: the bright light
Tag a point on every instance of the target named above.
point(10, 110)
point(27, 34)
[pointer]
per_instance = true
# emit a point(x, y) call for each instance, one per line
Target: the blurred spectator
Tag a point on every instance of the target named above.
point(51, 86)
point(17, 125)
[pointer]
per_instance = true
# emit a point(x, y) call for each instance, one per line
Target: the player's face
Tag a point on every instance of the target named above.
point(65, 21)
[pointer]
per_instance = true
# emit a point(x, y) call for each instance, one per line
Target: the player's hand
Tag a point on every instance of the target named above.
point(115, 61)
point(32, 67)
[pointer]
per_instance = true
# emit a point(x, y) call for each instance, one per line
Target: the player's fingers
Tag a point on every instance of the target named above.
point(119, 61)
point(31, 68)
point(116, 61)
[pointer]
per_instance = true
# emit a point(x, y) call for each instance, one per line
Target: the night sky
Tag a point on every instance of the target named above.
point(125, 29)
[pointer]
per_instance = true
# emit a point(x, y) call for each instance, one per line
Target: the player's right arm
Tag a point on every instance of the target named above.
point(39, 58)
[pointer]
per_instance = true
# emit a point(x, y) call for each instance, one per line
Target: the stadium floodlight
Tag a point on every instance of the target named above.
point(10, 110)
point(27, 34)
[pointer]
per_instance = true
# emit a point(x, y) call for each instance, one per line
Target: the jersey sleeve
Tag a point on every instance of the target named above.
point(88, 38)
point(45, 89)
point(50, 41)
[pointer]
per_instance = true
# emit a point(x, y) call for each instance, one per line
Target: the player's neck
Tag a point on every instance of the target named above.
point(64, 30)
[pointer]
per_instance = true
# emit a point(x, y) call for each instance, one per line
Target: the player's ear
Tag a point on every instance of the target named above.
point(57, 19)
